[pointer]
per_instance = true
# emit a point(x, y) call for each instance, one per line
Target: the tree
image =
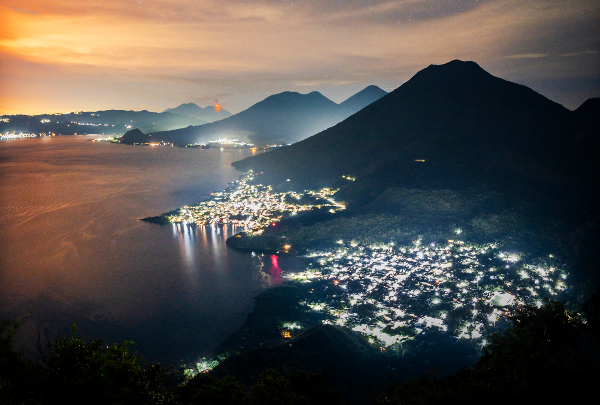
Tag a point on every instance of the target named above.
point(301, 388)
point(270, 388)
point(16, 372)
point(205, 390)
point(544, 356)
point(73, 371)
point(535, 355)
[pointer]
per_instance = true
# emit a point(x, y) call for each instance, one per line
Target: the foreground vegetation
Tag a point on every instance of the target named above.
point(543, 353)
point(547, 354)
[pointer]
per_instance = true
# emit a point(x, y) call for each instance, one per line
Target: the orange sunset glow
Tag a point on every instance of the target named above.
point(85, 55)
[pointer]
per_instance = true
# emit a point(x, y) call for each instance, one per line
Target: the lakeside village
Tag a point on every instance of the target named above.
point(16, 135)
point(221, 143)
point(253, 207)
point(389, 293)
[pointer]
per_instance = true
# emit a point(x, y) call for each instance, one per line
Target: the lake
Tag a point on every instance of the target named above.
point(73, 250)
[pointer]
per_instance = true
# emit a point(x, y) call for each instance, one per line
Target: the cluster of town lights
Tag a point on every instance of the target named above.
point(253, 207)
point(387, 292)
point(230, 142)
point(412, 289)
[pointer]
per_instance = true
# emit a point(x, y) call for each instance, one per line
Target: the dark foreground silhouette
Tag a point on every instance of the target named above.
point(544, 354)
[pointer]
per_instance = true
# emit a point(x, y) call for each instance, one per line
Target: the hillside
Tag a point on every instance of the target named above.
point(281, 118)
point(351, 363)
point(452, 148)
point(588, 124)
point(452, 125)
point(342, 355)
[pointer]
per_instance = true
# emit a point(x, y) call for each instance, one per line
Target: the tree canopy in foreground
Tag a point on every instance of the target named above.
point(544, 354)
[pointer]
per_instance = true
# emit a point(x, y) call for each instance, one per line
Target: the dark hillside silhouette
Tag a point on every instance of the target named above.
point(135, 135)
point(587, 121)
point(450, 125)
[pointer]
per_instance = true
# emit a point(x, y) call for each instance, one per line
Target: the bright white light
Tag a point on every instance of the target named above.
point(513, 258)
point(502, 300)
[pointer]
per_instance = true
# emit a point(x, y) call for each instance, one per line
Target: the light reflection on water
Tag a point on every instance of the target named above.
point(275, 270)
point(187, 243)
point(74, 250)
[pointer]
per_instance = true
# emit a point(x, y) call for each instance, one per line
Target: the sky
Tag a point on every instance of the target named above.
point(65, 55)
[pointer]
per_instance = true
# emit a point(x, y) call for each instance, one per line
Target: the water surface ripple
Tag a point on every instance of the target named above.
point(72, 248)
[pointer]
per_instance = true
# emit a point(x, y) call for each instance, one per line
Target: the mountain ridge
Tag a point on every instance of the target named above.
point(280, 118)
point(364, 97)
point(445, 120)
point(208, 114)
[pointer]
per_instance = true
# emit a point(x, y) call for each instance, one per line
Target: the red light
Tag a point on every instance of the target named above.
point(275, 269)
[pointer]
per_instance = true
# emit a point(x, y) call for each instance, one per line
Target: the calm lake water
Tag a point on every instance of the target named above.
point(73, 250)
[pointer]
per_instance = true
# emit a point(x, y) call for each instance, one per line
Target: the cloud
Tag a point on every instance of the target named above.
point(22, 11)
point(528, 56)
point(580, 53)
point(316, 83)
point(254, 48)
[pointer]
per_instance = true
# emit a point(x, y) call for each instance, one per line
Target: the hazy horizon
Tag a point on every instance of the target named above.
point(147, 55)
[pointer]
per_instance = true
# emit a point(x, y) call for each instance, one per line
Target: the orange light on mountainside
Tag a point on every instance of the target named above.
point(217, 106)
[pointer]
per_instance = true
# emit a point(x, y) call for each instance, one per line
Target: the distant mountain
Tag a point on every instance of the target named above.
point(362, 99)
point(208, 114)
point(451, 125)
point(281, 118)
point(109, 122)
point(145, 120)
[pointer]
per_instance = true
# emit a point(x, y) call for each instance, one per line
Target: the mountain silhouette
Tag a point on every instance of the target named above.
point(208, 114)
point(450, 125)
point(136, 135)
point(362, 99)
point(281, 118)
point(589, 108)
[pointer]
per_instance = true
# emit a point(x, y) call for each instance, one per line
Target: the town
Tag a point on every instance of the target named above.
point(389, 293)
point(392, 293)
point(254, 207)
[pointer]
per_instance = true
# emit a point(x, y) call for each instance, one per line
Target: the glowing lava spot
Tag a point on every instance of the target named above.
point(218, 106)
